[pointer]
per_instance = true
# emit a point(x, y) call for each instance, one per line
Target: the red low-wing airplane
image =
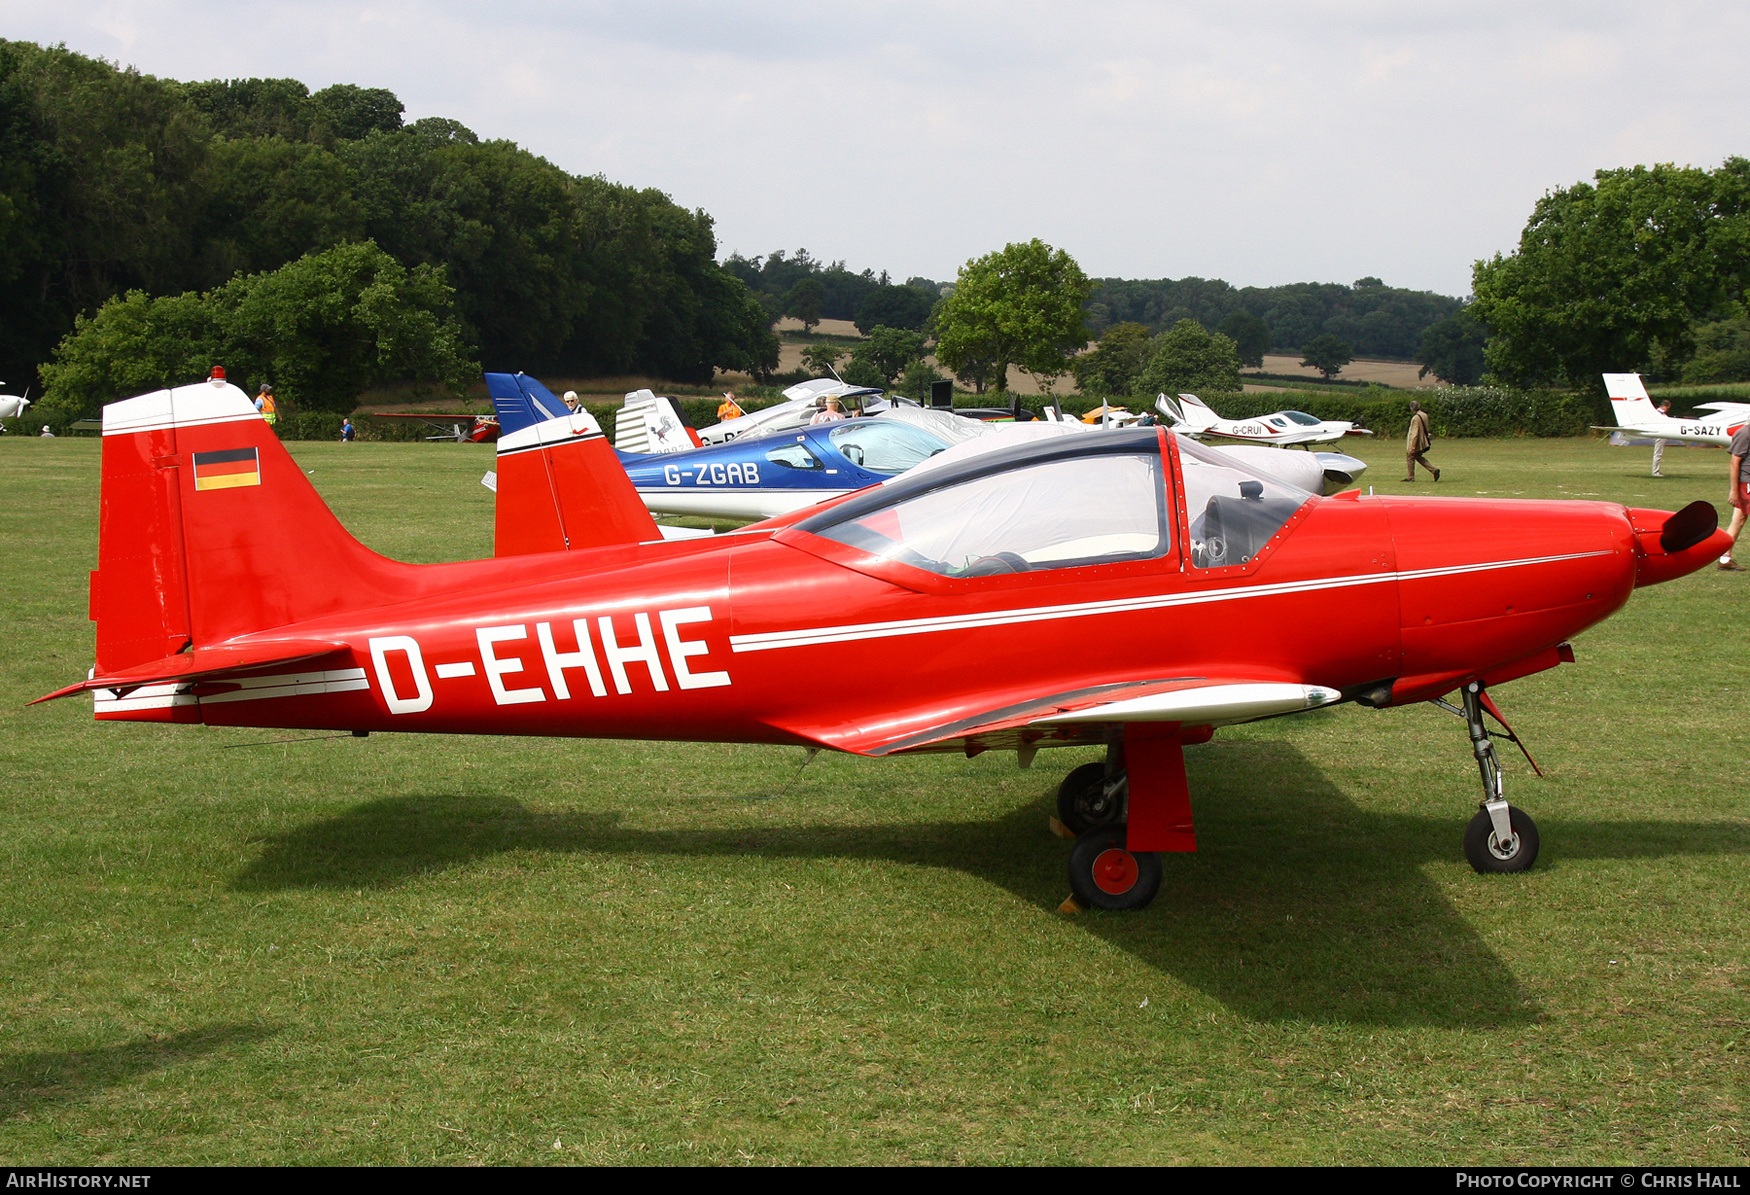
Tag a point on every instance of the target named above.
point(1072, 591)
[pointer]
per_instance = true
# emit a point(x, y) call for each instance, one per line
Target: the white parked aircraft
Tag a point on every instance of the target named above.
point(1191, 416)
point(649, 423)
point(12, 405)
point(1636, 416)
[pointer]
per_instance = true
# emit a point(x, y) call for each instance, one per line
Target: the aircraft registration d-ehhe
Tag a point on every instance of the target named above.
point(1081, 590)
point(1191, 416)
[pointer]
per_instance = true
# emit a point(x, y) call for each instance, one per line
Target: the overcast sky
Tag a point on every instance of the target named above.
point(1260, 142)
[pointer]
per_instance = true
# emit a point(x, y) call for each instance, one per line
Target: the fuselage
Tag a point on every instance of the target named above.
point(764, 476)
point(780, 635)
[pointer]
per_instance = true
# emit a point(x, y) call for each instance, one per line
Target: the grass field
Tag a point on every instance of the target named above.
point(450, 950)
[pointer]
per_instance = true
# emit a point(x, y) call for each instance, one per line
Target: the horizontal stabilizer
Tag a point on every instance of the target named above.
point(205, 663)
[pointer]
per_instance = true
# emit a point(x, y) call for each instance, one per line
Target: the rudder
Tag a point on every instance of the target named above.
point(209, 530)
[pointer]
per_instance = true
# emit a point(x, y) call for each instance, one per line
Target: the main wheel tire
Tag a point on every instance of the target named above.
point(1082, 803)
point(1487, 854)
point(1103, 874)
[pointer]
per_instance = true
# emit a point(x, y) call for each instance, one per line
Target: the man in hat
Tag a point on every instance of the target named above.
point(1417, 441)
point(265, 404)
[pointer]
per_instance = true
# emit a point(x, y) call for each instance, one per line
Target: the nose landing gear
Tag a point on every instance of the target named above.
point(1500, 837)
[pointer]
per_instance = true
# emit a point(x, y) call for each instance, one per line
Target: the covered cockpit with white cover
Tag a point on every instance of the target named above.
point(1055, 504)
point(884, 445)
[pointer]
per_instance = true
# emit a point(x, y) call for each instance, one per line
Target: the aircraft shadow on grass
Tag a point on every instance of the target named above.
point(33, 1079)
point(1297, 905)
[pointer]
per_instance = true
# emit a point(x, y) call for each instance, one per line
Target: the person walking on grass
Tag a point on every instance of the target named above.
point(1738, 493)
point(1418, 440)
point(1659, 445)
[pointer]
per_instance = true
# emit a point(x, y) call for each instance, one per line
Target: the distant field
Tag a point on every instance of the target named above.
point(409, 950)
point(1386, 373)
point(1723, 390)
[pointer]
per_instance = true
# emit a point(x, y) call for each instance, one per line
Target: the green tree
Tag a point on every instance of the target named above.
point(863, 372)
point(1452, 350)
point(321, 329)
point(1251, 337)
point(895, 307)
point(1111, 366)
point(1722, 353)
point(1020, 306)
point(101, 175)
point(270, 201)
point(349, 112)
point(1188, 357)
point(821, 358)
point(249, 108)
point(1327, 354)
point(1610, 276)
point(803, 301)
point(889, 350)
point(916, 379)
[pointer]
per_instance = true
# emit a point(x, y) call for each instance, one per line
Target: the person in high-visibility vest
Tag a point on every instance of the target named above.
point(264, 403)
point(729, 409)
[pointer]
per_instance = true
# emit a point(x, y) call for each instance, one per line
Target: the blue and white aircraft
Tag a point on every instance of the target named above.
point(748, 478)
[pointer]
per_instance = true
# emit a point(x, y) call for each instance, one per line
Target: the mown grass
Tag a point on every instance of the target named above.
point(446, 950)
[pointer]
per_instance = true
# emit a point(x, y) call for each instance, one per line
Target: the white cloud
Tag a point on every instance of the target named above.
point(1261, 142)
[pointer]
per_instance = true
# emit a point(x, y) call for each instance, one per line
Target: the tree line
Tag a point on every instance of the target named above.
point(1374, 319)
point(798, 285)
point(172, 199)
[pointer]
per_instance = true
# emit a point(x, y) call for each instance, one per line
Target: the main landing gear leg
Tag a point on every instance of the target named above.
point(1499, 837)
point(1141, 793)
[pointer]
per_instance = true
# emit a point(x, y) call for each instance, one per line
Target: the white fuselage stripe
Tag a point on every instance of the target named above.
point(771, 640)
point(160, 425)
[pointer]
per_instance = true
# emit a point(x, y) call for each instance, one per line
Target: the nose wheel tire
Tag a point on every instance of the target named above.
point(1487, 853)
point(1083, 803)
point(1104, 875)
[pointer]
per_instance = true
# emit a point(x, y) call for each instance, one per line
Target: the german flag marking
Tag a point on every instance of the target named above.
point(226, 470)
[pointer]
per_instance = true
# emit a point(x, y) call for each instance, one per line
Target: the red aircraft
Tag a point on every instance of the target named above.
point(1082, 590)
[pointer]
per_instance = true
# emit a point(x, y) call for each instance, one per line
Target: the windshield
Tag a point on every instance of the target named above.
point(1234, 511)
point(885, 445)
point(1061, 513)
point(1302, 417)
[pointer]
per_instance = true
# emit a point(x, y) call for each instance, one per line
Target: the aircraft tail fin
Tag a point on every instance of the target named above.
point(561, 487)
point(1170, 409)
point(210, 530)
point(1629, 401)
point(521, 401)
point(651, 425)
point(1198, 416)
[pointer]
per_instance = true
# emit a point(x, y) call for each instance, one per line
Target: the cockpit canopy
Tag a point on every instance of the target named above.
point(1064, 503)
